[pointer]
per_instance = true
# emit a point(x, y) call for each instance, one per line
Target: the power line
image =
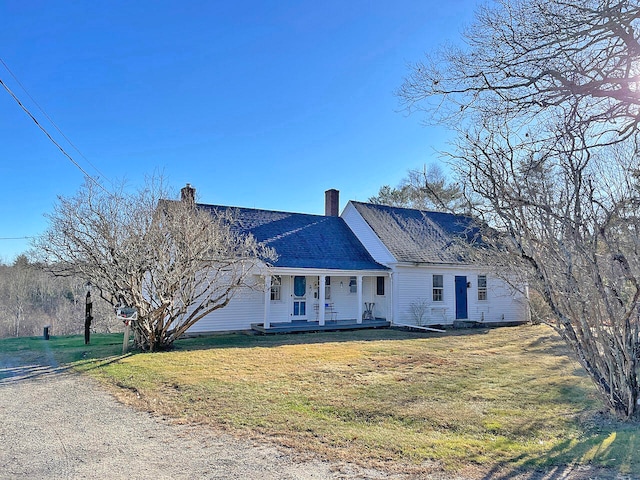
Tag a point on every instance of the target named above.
point(51, 120)
point(16, 238)
point(26, 110)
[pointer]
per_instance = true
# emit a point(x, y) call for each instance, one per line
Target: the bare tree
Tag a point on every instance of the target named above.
point(572, 233)
point(173, 262)
point(19, 295)
point(31, 297)
point(545, 101)
point(527, 60)
point(418, 311)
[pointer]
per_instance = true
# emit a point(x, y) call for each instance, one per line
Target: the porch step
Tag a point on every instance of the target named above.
point(313, 326)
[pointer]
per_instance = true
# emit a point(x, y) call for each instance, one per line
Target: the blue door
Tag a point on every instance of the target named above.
point(461, 298)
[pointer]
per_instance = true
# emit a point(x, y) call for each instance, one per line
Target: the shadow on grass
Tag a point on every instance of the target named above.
point(71, 348)
point(607, 450)
point(249, 340)
point(29, 372)
point(547, 345)
point(31, 358)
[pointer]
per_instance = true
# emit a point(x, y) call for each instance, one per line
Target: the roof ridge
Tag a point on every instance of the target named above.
point(254, 209)
point(423, 210)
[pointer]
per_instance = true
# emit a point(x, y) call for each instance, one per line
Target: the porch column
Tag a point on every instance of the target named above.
point(360, 305)
point(267, 300)
point(321, 281)
point(391, 297)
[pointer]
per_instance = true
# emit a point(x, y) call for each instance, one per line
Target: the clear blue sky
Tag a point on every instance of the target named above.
point(260, 104)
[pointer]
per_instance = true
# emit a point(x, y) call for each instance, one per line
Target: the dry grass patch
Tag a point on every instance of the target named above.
point(508, 396)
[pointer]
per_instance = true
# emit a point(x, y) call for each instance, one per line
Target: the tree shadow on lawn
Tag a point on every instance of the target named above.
point(33, 358)
point(18, 373)
point(43, 370)
point(607, 450)
point(248, 340)
point(550, 344)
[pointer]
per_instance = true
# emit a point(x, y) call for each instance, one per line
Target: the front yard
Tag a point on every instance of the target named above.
point(460, 401)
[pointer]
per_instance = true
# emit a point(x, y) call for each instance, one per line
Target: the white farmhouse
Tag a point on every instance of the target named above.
point(371, 267)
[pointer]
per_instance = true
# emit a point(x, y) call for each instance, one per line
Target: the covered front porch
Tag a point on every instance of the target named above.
point(301, 326)
point(297, 300)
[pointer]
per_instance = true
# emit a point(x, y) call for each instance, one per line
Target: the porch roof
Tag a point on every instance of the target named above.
point(304, 240)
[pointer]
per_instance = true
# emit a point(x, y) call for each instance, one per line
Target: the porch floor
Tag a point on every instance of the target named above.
point(314, 326)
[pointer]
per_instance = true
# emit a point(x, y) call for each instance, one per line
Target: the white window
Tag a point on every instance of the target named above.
point(327, 288)
point(482, 287)
point(438, 288)
point(353, 285)
point(276, 288)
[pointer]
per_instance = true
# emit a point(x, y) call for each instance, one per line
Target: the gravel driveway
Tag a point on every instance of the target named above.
point(62, 425)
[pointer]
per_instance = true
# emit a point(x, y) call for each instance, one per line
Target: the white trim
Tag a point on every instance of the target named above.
point(359, 292)
point(321, 299)
point(267, 300)
point(315, 272)
point(391, 298)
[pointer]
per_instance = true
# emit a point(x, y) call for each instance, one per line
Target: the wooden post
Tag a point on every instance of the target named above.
point(125, 340)
point(87, 319)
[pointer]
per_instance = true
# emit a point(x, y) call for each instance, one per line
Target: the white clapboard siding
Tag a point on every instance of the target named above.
point(414, 286)
point(245, 308)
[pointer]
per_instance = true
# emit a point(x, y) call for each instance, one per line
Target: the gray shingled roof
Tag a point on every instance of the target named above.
point(420, 236)
point(303, 240)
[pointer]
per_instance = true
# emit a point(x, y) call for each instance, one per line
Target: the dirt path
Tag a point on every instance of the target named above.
point(60, 425)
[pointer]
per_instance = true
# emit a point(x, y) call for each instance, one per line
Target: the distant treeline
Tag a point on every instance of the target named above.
point(31, 297)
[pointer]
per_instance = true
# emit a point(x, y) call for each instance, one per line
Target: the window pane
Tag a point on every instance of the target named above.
point(299, 308)
point(275, 293)
point(380, 286)
point(438, 288)
point(482, 287)
point(276, 282)
point(299, 286)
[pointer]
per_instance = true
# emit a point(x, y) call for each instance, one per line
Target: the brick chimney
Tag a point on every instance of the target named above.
point(331, 202)
point(188, 193)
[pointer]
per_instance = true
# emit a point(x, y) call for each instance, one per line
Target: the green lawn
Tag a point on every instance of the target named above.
point(508, 397)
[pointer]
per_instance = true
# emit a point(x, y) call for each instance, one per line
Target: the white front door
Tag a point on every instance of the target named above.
point(299, 298)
